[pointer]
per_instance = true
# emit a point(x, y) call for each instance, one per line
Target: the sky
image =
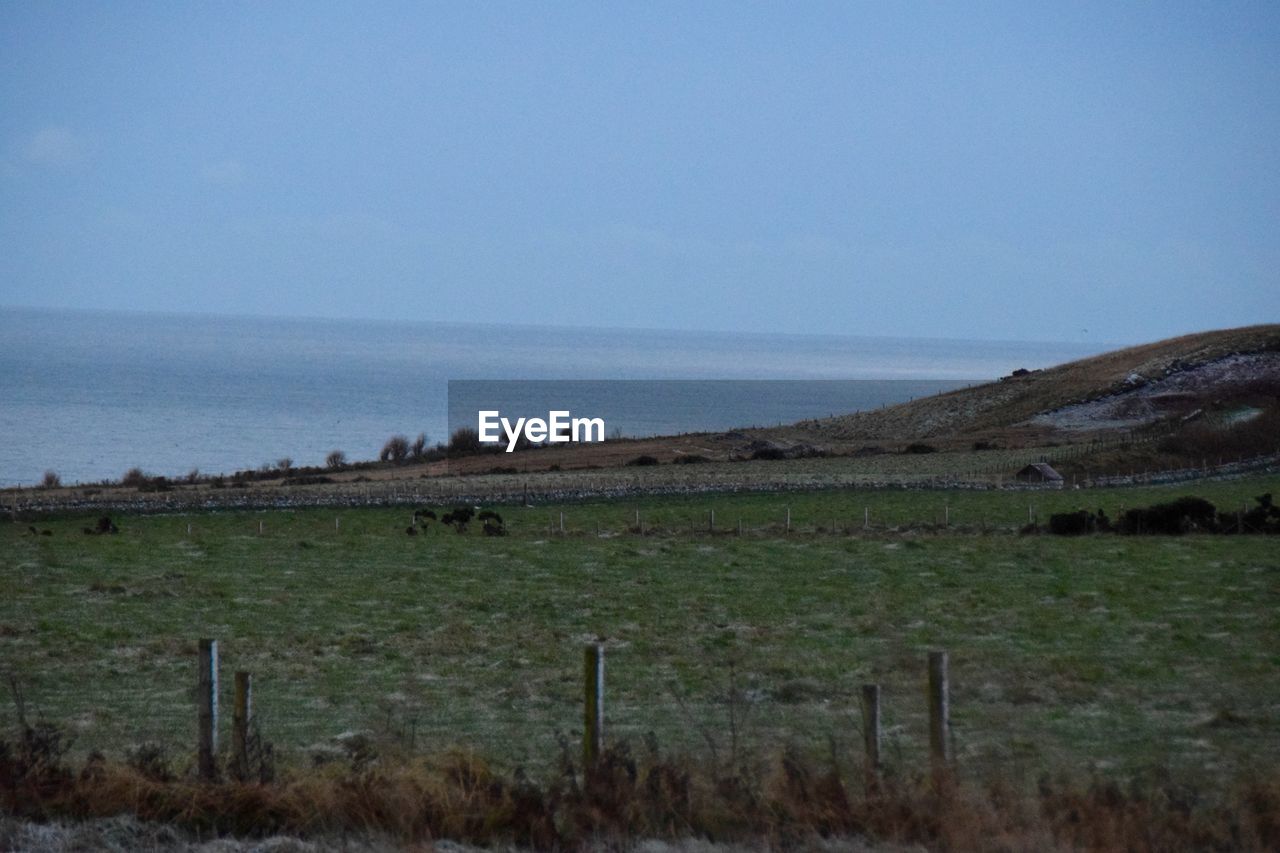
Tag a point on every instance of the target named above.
point(1031, 171)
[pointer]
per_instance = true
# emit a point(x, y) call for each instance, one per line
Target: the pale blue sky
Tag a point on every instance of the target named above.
point(1066, 171)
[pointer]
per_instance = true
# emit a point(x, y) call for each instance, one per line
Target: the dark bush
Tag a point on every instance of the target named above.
point(920, 447)
point(690, 459)
point(134, 477)
point(1078, 523)
point(643, 460)
point(1069, 523)
point(335, 459)
point(465, 441)
point(769, 453)
point(458, 518)
point(308, 480)
point(156, 484)
point(493, 525)
point(1181, 516)
point(396, 450)
point(418, 450)
point(1263, 518)
point(51, 480)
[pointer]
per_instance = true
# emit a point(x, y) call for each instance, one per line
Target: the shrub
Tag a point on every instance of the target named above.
point(156, 484)
point(284, 464)
point(134, 477)
point(465, 441)
point(769, 453)
point(193, 476)
point(643, 460)
point(396, 450)
point(493, 524)
point(1078, 523)
point(459, 518)
point(418, 450)
point(307, 480)
point(920, 447)
point(335, 459)
point(1172, 518)
point(51, 480)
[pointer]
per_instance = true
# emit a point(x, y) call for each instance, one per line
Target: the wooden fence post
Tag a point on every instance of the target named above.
point(593, 704)
point(241, 714)
point(871, 731)
point(939, 716)
point(562, 523)
point(788, 519)
point(207, 710)
point(711, 522)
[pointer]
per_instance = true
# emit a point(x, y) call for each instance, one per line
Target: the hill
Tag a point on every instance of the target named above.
point(1174, 377)
point(1189, 403)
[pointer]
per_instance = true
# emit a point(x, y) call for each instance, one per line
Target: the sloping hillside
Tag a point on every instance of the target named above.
point(1017, 400)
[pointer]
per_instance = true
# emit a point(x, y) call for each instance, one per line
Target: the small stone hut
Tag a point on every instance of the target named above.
point(1041, 473)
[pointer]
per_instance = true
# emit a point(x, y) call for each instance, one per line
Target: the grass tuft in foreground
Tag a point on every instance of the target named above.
point(781, 801)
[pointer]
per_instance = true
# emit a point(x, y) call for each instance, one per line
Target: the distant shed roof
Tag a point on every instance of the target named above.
point(1039, 471)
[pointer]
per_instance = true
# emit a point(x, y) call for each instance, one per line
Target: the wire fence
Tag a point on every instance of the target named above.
point(909, 472)
point(203, 715)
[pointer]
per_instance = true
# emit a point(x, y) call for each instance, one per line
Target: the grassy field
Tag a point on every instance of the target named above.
point(1100, 653)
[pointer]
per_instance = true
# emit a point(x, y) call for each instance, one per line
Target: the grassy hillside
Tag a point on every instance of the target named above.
point(1016, 399)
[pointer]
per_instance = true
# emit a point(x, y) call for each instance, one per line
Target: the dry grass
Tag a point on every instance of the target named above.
point(779, 803)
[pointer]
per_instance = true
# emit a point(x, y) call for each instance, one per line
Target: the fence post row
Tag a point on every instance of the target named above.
point(871, 731)
point(939, 716)
point(593, 716)
point(207, 709)
point(593, 704)
point(241, 714)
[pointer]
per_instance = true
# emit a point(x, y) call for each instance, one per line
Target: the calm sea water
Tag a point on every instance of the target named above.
point(90, 395)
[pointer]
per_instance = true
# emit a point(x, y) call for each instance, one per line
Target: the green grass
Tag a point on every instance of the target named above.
point(1108, 653)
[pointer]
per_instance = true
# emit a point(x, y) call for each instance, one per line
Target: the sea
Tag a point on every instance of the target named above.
point(90, 395)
